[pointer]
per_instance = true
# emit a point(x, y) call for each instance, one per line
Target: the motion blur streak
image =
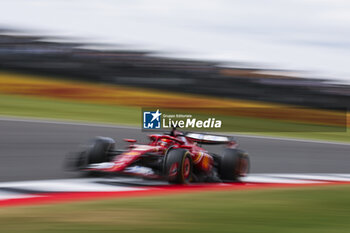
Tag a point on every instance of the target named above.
point(306, 35)
point(59, 197)
point(39, 86)
point(37, 143)
point(276, 71)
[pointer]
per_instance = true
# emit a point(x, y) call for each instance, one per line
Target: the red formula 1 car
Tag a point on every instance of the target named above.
point(176, 157)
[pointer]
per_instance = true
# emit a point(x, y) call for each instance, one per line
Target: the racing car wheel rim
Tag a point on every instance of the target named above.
point(243, 168)
point(186, 168)
point(173, 169)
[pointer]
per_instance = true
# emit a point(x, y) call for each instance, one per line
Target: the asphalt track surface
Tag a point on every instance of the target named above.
point(35, 150)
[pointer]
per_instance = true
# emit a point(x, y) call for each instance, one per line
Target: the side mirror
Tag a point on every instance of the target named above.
point(130, 140)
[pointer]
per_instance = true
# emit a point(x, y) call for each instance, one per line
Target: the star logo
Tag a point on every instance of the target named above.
point(156, 115)
point(151, 119)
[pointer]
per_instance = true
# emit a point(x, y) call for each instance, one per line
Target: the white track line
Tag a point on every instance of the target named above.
point(27, 189)
point(318, 177)
point(111, 184)
point(79, 123)
point(275, 180)
point(4, 195)
point(67, 185)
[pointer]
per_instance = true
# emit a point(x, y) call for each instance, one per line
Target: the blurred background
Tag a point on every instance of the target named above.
point(275, 69)
point(268, 68)
point(293, 52)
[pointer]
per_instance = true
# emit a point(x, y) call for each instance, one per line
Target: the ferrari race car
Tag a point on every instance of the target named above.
point(176, 157)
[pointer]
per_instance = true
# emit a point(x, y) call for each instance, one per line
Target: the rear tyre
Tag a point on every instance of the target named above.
point(178, 166)
point(234, 164)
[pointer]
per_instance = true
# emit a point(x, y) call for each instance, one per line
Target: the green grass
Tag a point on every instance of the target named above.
point(14, 105)
point(25, 106)
point(307, 210)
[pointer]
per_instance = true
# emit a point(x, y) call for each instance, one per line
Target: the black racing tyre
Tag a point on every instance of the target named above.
point(97, 151)
point(244, 163)
point(75, 161)
point(234, 164)
point(178, 166)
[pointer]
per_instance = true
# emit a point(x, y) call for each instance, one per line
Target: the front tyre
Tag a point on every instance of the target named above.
point(95, 152)
point(178, 166)
point(98, 149)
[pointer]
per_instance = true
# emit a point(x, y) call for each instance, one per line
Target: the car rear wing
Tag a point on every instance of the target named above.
point(209, 138)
